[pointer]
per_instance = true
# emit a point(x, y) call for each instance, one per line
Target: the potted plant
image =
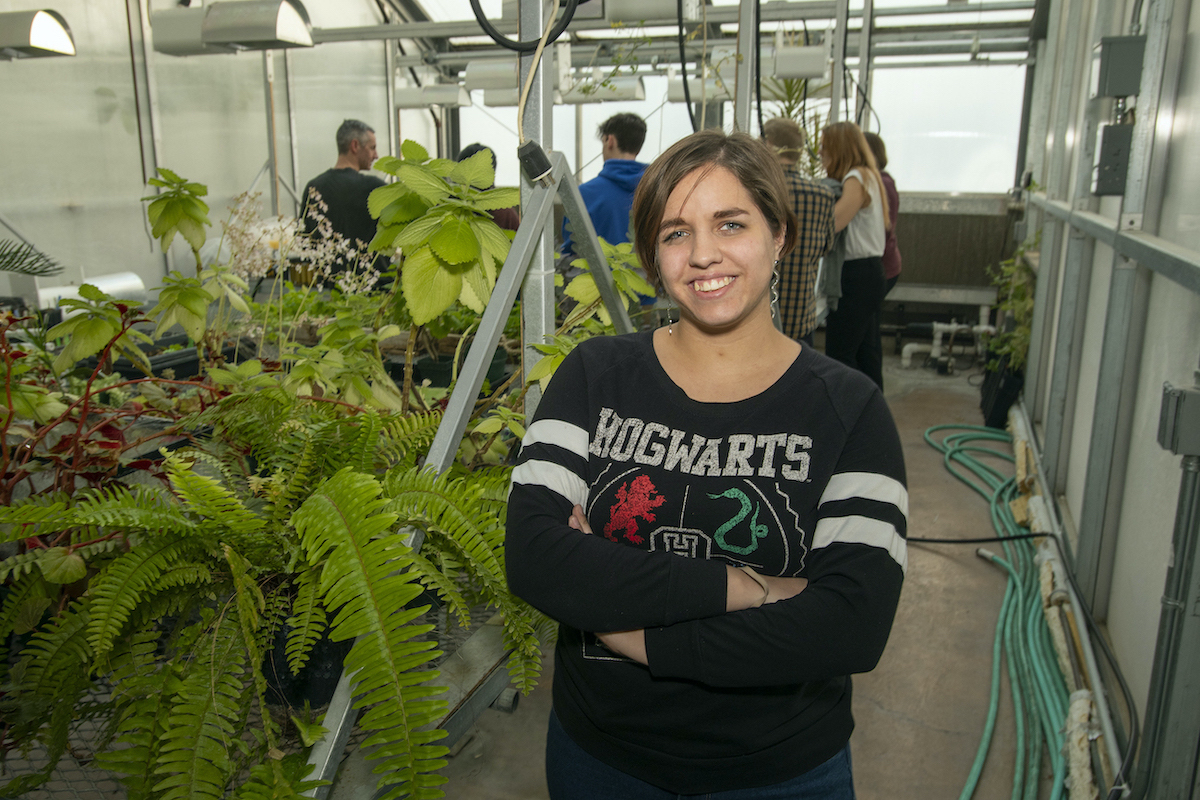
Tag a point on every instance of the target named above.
point(1009, 348)
point(285, 504)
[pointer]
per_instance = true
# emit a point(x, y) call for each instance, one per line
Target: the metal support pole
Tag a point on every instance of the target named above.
point(1168, 758)
point(1077, 279)
point(389, 69)
point(747, 41)
point(138, 21)
point(537, 296)
point(269, 97)
point(579, 141)
point(1128, 305)
point(1044, 295)
point(862, 97)
point(839, 60)
point(293, 138)
point(1172, 731)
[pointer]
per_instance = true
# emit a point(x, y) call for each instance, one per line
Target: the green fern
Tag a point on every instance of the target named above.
point(143, 693)
point(282, 779)
point(308, 620)
point(366, 583)
point(194, 751)
point(126, 582)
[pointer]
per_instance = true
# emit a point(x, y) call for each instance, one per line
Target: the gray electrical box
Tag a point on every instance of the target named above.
point(1179, 421)
point(1112, 159)
point(1117, 66)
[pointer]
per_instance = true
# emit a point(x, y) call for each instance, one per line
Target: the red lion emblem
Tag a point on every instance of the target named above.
point(634, 501)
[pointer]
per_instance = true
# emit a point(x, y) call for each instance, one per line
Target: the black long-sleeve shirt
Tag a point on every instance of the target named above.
point(805, 479)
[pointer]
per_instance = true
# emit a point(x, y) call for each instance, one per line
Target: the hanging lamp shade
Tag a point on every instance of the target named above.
point(257, 24)
point(491, 74)
point(714, 90)
point(443, 94)
point(33, 34)
point(620, 88)
point(231, 25)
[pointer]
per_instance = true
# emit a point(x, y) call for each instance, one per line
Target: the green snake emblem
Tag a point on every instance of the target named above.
point(756, 531)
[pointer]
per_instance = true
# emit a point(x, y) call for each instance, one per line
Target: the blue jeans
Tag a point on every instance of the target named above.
point(573, 774)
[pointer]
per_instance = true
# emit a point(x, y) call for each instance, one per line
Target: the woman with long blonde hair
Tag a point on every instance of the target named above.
point(852, 329)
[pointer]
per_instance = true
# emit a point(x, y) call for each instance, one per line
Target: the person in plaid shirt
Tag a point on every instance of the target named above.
point(813, 205)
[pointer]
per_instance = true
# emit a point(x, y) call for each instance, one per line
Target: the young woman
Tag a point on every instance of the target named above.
point(891, 250)
point(714, 513)
point(852, 329)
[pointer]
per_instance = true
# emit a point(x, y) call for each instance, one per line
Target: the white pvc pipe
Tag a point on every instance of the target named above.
point(907, 353)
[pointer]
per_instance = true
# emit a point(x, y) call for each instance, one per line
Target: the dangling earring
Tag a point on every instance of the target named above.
point(775, 285)
point(670, 322)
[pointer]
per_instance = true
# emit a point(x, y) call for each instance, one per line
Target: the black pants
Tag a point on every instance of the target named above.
point(852, 331)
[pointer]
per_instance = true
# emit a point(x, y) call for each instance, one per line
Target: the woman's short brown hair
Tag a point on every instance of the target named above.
point(751, 162)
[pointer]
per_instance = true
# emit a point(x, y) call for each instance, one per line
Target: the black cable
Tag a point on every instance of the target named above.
point(804, 97)
point(518, 46)
point(758, 61)
point(1121, 778)
point(687, 93)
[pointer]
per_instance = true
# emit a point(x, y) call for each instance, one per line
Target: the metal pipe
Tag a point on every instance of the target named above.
point(537, 295)
point(293, 138)
point(717, 15)
point(862, 97)
point(1022, 428)
point(839, 61)
point(745, 66)
point(269, 97)
point(1166, 755)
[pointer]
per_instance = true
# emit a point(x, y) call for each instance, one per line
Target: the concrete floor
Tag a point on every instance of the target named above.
point(921, 712)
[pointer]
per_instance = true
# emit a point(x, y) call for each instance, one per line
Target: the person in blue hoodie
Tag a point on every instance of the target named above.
point(609, 195)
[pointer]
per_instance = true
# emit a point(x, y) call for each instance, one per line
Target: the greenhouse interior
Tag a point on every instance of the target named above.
point(268, 473)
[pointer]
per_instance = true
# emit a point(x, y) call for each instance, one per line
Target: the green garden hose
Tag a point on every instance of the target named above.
point(1022, 645)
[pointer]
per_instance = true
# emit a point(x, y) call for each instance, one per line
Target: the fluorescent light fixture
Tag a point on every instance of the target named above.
point(491, 74)
point(444, 94)
point(257, 24)
point(713, 90)
point(33, 34)
point(801, 62)
point(633, 12)
point(232, 25)
point(499, 98)
point(620, 88)
point(177, 32)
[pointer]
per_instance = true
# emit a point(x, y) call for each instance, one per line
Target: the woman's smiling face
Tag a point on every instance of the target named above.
point(716, 251)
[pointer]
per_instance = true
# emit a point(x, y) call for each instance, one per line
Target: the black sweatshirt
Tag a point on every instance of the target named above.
point(805, 479)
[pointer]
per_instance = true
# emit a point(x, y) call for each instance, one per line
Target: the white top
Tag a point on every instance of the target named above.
point(865, 233)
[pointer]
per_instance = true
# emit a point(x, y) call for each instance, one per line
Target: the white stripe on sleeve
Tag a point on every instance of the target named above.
point(868, 485)
point(554, 477)
point(862, 530)
point(558, 433)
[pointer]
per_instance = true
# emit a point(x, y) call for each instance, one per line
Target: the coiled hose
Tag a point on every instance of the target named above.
point(1022, 641)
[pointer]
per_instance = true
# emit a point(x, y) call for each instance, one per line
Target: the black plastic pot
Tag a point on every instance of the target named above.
point(1001, 388)
point(317, 680)
point(184, 362)
point(438, 370)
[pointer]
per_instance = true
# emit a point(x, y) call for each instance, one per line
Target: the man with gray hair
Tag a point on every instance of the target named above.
point(344, 188)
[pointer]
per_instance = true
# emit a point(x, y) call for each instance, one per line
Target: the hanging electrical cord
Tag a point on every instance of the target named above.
point(860, 92)
point(1039, 703)
point(529, 46)
point(533, 68)
point(687, 93)
point(758, 61)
